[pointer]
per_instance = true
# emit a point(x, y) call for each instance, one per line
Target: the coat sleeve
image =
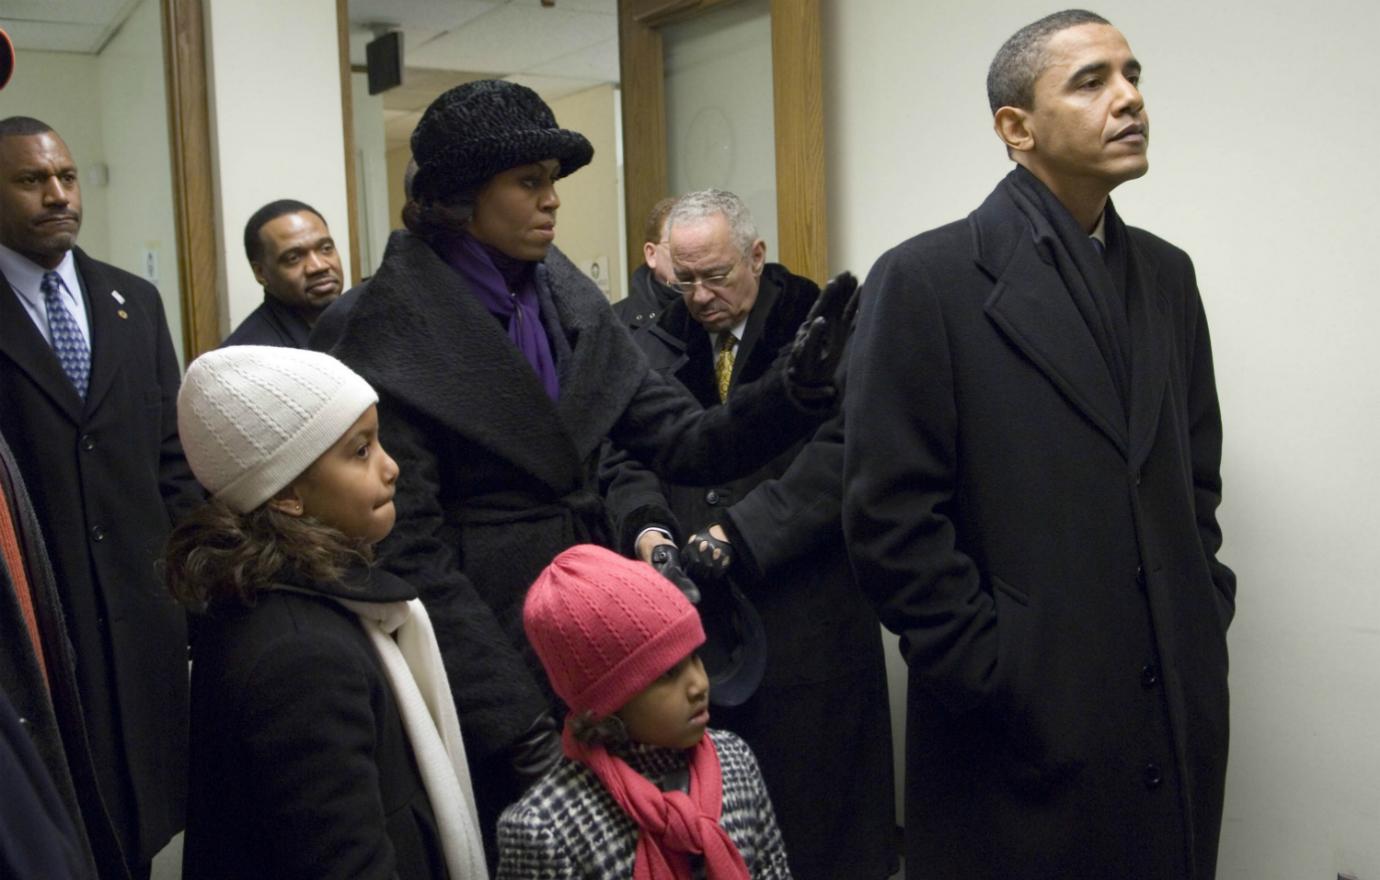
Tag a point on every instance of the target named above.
point(900, 479)
point(309, 748)
point(495, 693)
point(180, 490)
point(633, 498)
point(1205, 444)
point(664, 427)
point(787, 518)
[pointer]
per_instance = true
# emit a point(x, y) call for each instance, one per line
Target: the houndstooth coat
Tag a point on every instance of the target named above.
point(569, 826)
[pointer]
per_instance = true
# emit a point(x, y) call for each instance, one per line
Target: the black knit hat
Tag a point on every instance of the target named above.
point(478, 129)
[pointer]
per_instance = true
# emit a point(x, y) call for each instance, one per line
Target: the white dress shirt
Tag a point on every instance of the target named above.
point(26, 278)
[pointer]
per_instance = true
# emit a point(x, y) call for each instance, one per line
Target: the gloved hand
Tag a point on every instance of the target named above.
point(819, 343)
point(708, 553)
point(536, 751)
point(665, 558)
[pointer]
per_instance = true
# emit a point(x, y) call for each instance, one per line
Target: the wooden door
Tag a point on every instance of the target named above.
point(798, 114)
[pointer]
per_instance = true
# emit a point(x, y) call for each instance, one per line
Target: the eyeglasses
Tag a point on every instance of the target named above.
point(713, 282)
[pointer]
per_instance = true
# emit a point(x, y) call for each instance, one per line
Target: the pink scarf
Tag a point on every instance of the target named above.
point(673, 823)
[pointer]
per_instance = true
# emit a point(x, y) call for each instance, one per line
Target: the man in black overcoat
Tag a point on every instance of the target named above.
point(88, 389)
point(831, 787)
point(1032, 456)
point(294, 258)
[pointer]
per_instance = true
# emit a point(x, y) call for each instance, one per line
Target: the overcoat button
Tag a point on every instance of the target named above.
point(88, 442)
point(1149, 675)
point(97, 533)
point(711, 497)
point(1152, 776)
point(23, 722)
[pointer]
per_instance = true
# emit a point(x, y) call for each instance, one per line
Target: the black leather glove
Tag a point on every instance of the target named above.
point(665, 558)
point(536, 751)
point(819, 343)
point(706, 557)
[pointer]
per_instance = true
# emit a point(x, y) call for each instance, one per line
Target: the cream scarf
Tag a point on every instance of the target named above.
point(406, 643)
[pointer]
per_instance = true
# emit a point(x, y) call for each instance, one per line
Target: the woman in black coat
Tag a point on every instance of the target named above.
point(500, 370)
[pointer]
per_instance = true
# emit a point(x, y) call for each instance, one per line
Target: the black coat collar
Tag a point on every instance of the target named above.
point(417, 334)
point(1031, 306)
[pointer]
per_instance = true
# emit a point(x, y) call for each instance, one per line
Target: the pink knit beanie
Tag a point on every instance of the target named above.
point(605, 627)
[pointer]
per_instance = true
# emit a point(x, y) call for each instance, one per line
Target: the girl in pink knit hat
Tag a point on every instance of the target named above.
point(646, 790)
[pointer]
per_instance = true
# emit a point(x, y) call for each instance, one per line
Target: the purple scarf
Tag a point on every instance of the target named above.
point(510, 296)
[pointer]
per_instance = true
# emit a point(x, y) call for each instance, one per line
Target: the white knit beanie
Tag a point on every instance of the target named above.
point(252, 418)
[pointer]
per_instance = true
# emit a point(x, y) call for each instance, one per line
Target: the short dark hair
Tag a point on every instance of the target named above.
point(1021, 59)
point(253, 244)
point(656, 220)
point(23, 126)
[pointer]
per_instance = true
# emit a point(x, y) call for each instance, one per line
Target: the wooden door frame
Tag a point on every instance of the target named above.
point(193, 173)
point(798, 114)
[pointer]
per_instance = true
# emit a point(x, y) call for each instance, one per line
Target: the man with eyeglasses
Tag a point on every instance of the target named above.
point(780, 541)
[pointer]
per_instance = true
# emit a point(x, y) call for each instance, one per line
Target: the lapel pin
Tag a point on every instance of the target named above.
point(123, 314)
point(118, 298)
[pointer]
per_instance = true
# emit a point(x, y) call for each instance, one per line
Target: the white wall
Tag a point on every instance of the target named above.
point(134, 124)
point(372, 175)
point(63, 90)
point(277, 126)
point(1262, 167)
point(587, 222)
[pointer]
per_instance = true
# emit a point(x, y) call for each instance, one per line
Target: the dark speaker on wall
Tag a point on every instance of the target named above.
point(385, 58)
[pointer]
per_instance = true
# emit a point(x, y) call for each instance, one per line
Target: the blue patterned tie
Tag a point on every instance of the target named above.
point(68, 343)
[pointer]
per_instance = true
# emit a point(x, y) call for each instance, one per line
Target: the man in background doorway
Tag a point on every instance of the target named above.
point(293, 256)
point(88, 395)
point(819, 721)
point(1032, 473)
point(648, 296)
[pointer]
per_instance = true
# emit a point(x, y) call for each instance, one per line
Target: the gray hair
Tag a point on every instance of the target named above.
point(1022, 58)
point(708, 203)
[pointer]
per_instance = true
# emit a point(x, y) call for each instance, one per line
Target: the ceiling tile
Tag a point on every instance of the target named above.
point(604, 7)
point(596, 62)
point(55, 37)
point(97, 12)
point(515, 38)
point(428, 15)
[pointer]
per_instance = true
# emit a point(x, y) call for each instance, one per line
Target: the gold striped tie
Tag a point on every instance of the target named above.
point(723, 363)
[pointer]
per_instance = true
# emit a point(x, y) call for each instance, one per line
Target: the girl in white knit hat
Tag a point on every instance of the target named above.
point(324, 742)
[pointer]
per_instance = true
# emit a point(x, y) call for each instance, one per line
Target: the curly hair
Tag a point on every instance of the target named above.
point(609, 731)
point(216, 553)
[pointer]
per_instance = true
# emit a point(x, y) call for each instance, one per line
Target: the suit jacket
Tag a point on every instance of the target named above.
point(825, 670)
point(272, 323)
point(106, 476)
point(1048, 555)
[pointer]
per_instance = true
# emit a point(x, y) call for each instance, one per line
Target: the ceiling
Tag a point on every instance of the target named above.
point(64, 25)
point(556, 51)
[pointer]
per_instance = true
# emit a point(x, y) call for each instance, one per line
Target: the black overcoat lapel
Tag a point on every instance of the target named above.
point(22, 343)
point(453, 362)
point(1032, 307)
point(1147, 309)
point(110, 328)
